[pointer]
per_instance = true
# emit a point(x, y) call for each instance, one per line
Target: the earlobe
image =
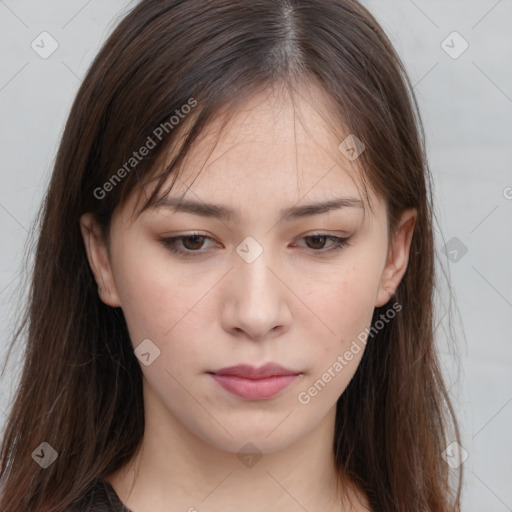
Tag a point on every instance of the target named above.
point(387, 287)
point(99, 261)
point(398, 257)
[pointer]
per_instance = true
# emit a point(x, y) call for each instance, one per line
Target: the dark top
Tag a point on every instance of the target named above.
point(101, 498)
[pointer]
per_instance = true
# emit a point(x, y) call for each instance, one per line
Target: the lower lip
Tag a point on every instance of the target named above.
point(254, 389)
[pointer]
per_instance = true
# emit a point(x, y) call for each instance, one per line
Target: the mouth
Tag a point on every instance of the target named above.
point(251, 383)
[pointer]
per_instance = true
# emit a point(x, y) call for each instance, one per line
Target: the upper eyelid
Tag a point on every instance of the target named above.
point(305, 235)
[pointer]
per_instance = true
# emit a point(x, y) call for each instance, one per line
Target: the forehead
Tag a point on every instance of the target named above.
point(275, 150)
point(275, 138)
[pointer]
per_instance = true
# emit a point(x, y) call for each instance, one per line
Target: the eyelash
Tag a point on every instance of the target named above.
point(339, 243)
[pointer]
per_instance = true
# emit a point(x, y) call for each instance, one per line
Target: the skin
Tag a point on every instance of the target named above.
point(292, 305)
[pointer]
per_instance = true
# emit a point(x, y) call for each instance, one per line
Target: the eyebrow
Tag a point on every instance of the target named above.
point(224, 212)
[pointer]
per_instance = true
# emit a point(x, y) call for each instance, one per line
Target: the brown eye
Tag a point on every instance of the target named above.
point(197, 242)
point(192, 245)
point(318, 240)
point(186, 245)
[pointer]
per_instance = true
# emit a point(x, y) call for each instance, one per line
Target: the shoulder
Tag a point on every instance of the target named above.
point(101, 497)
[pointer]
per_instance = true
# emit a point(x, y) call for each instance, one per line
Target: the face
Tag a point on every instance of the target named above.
point(272, 282)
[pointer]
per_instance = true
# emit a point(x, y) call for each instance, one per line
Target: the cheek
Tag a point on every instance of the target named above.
point(345, 300)
point(158, 304)
point(347, 311)
point(144, 290)
point(345, 307)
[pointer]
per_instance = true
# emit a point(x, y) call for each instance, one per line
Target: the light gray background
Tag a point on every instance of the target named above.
point(466, 105)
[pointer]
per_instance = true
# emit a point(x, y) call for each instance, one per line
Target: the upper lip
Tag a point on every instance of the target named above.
point(251, 372)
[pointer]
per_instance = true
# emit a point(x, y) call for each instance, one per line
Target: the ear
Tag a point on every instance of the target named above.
point(99, 259)
point(398, 257)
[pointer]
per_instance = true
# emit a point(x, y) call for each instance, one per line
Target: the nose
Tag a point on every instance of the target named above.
point(256, 299)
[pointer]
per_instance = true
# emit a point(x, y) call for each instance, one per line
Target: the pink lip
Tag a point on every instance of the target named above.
point(254, 383)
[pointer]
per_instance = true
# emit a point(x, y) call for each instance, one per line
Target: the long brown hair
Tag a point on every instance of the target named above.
point(80, 389)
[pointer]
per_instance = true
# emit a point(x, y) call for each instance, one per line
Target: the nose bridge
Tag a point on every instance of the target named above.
point(255, 293)
point(252, 272)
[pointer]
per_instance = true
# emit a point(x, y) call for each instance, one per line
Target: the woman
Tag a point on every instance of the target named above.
point(232, 299)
